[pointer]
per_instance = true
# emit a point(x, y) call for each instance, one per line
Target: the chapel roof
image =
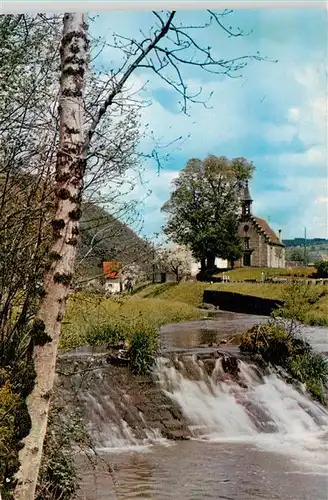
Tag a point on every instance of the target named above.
point(273, 238)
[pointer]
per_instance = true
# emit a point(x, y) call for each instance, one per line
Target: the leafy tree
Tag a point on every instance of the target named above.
point(203, 207)
point(296, 255)
point(68, 141)
point(322, 268)
point(174, 260)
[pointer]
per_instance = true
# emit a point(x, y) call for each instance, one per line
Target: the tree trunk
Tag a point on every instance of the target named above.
point(203, 264)
point(62, 255)
point(210, 260)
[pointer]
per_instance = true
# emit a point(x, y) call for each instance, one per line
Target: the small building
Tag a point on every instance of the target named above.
point(113, 282)
point(262, 247)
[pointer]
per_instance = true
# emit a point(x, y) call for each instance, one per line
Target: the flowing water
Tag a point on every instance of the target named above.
point(253, 436)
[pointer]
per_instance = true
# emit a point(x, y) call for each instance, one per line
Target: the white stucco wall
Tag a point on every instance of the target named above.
point(112, 286)
point(195, 266)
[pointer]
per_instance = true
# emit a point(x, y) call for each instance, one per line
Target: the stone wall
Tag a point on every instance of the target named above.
point(276, 256)
point(264, 254)
point(103, 393)
point(259, 256)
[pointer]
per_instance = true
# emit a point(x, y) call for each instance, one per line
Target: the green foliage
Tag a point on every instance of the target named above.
point(298, 300)
point(279, 341)
point(310, 368)
point(322, 268)
point(58, 479)
point(9, 402)
point(296, 255)
point(273, 342)
point(279, 347)
point(96, 320)
point(202, 210)
point(108, 334)
point(143, 347)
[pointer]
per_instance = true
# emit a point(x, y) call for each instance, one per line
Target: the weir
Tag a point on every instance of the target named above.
point(208, 423)
point(204, 398)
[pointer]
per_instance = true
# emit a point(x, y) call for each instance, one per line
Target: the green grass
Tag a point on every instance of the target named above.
point(191, 293)
point(244, 273)
point(87, 313)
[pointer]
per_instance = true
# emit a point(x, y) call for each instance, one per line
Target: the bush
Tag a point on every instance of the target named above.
point(142, 351)
point(108, 334)
point(298, 299)
point(272, 342)
point(311, 369)
point(322, 268)
point(279, 346)
point(58, 478)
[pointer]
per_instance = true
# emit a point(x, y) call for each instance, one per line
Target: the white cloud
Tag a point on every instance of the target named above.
point(283, 104)
point(322, 199)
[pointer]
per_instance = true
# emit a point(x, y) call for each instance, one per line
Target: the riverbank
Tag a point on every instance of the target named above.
point(93, 319)
point(192, 293)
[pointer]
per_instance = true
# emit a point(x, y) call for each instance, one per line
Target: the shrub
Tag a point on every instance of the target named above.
point(58, 478)
point(280, 346)
point(143, 347)
point(298, 299)
point(271, 341)
point(108, 334)
point(310, 368)
point(322, 268)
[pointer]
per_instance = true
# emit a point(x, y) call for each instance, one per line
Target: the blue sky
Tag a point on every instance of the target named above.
point(275, 115)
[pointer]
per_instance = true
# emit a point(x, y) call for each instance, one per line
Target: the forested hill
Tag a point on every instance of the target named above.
point(296, 242)
point(104, 238)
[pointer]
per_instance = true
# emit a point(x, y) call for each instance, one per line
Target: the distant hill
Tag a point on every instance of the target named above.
point(298, 242)
point(104, 238)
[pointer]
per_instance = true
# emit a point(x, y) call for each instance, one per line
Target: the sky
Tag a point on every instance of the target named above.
point(275, 114)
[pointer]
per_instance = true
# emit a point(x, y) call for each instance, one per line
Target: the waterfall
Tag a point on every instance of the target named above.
point(113, 424)
point(262, 410)
point(196, 396)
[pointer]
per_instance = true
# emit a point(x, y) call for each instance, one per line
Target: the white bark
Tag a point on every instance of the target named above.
point(69, 184)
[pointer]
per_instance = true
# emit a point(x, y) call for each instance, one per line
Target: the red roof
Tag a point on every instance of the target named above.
point(111, 269)
point(267, 229)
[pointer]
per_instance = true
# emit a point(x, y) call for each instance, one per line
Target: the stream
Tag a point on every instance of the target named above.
point(261, 439)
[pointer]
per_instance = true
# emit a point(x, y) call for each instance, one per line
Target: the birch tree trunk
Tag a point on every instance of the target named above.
point(62, 255)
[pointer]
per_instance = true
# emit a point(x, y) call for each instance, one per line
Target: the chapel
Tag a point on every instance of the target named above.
point(261, 246)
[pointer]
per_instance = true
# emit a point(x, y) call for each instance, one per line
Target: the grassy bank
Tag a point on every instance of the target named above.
point(88, 314)
point(156, 305)
point(245, 273)
point(192, 294)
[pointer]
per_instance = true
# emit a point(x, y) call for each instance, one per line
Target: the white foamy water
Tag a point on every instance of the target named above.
point(264, 411)
point(110, 433)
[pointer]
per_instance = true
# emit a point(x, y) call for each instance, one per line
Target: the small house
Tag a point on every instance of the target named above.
point(112, 273)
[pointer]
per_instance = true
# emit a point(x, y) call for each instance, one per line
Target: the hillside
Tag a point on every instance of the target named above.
point(104, 238)
point(299, 242)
